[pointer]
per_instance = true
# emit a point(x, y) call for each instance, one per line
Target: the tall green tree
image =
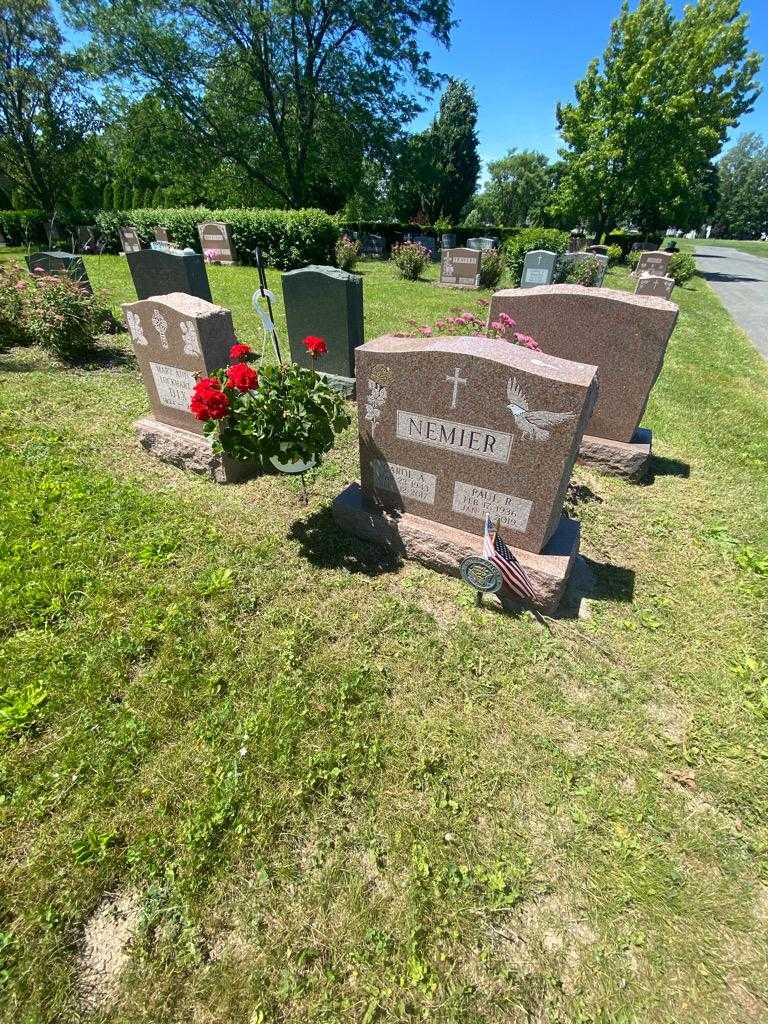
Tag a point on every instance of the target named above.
point(270, 84)
point(649, 120)
point(519, 188)
point(45, 111)
point(451, 154)
point(742, 208)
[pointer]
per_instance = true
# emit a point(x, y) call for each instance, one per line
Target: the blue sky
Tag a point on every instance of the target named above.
point(522, 56)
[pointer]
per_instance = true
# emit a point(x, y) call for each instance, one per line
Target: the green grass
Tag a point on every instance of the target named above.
point(754, 248)
point(338, 791)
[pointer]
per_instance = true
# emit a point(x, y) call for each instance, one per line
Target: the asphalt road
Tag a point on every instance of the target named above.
point(741, 282)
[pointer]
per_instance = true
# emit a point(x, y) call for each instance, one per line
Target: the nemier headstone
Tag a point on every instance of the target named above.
point(328, 303)
point(453, 429)
point(651, 284)
point(656, 263)
point(60, 264)
point(460, 268)
point(160, 272)
point(129, 239)
point(481, 243)
point(625, 335)
point(216, 241)
point(538, 268)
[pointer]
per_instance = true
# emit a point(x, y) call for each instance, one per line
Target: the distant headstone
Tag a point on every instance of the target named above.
point(601, 250)
point(576, 241)
point(570, 259)
point(161, 235)
point(158, 272)
point(429, 244)
point(481, 243)
point(650, 284)
point(328, 303)
point(60, 264)
point(86, 238)
point(178, 338)
point(216, 240)
point(655, 263)
point(453, 429)
point(460, 268)
point(448, 241)
point(373, 245)
point(129, 239)
point(538, 268)
point(625, 335)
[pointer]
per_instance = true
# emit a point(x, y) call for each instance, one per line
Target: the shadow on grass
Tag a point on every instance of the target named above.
point(581, 494)
point(661, 466)
point(327, 546)
point(595, 581)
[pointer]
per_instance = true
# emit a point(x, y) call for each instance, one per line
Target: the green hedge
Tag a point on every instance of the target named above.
point(23, 226)
point(287, 238)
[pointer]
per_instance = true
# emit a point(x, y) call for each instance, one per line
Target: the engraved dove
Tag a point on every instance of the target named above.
point(532, 424)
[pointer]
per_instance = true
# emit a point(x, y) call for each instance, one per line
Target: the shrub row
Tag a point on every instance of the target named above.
point(287, 238)
point(527, 240)
point(22, 226)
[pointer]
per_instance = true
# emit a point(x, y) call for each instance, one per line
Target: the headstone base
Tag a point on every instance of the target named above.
point(459, 287)
point(344, 385)
point(630, 459)
point(189, 451)
point(443, 548)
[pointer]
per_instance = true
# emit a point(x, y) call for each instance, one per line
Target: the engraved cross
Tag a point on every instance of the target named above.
point(456, 380)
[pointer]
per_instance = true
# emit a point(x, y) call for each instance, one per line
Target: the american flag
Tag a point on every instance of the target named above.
point(512, 572)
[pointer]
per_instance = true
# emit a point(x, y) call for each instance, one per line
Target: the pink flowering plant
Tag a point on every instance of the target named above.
point(464, 322)
point(411, 260)
point(212, 255)
point(347, 253)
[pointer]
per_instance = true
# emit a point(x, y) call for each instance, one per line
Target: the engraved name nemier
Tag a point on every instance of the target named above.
point(461, 438)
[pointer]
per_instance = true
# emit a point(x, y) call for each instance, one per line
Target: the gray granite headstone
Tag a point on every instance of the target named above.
point(373, 245)
point(160, 272)
point(129, 239)
point(429, 244)
point(650, 284)
point(216, 238)
point(538, 268)
point(176, 337)
point(570, 259)
point(60, 264)
point(448, 241)
point(481, 243)
point(328, 303)
point(460, 268)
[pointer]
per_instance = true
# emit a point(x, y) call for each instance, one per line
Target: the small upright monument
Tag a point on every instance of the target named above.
point(538, 268)
point(216, 241)
point(162, 271)
point(129, 239)
point(453, 430)
point(460, 268)
point(178, 338)
point(655, 263)
point(60, 264)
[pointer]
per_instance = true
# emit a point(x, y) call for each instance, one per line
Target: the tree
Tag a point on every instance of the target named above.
point(519, 188)
point(647, 123)
point(450, 153)
point(108, 197)
point(742, 208)
point(44, 110)
point(273, 85)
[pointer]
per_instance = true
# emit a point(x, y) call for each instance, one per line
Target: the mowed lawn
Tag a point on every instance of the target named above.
point(752, 247)
point(320, 786)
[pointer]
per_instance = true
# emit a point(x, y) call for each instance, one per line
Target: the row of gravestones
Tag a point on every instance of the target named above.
point(451, 429)
point(376, 245)
point(216, 241)
point(542, 268)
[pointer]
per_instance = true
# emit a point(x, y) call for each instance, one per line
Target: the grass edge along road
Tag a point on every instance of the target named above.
point(323, 786)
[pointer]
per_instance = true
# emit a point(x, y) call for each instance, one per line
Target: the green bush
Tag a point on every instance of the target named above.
point(287, 238)
point(615, 255)
point(347, 253)
point(410, 259)
point(682, 267)
point(51, 312)
point(526, 241)
point(582, 271)
point(491, 268)
point(633, 259)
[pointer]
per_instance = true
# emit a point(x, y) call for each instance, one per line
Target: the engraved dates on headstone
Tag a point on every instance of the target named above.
point(177, 338)
point(454, 429)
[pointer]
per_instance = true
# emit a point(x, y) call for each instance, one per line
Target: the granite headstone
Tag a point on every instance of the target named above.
point(161, 235)
point(373, 245)
point(161, 272)
point(326, 302)
point(129, 239)
point(60, 264)
point(481, 243)
point(656, 263)
point(460, 268)
point(429, 244)
point(216, 241)
point(651, 284)
point(538, 268)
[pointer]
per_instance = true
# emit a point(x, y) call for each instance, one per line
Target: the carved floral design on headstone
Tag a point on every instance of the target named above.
point(135, 329)
point(189, 338)
point(161, 326)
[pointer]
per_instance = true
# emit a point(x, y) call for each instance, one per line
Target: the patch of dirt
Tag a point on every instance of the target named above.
point(684, 777)
point(105, 949)
point(229, 945)
point(671, 720)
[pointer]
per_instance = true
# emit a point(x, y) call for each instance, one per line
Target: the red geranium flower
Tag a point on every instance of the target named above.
point(208, 401)
point(239, 350)
point(242, 377)
point(315, 346)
